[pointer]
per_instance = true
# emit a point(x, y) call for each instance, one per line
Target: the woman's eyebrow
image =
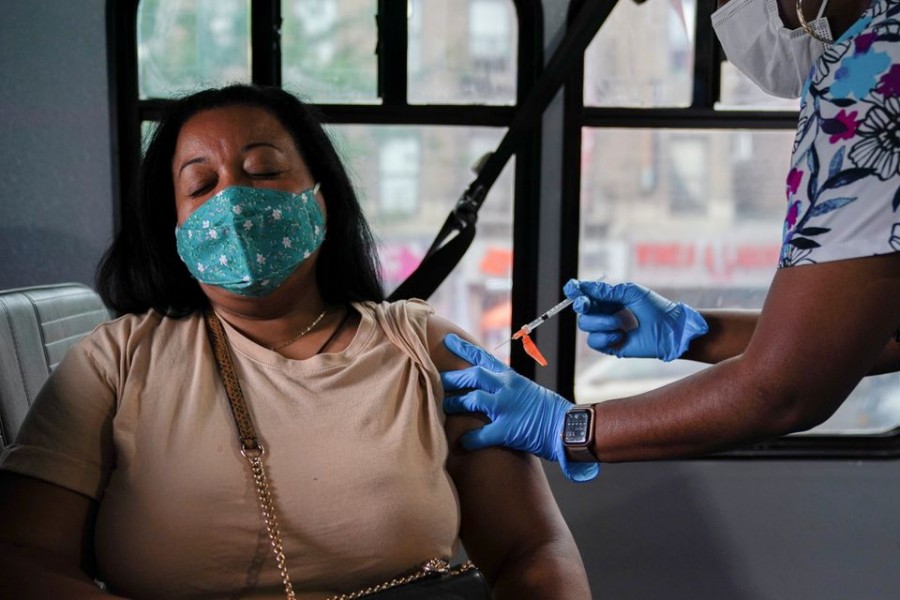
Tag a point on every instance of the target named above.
point(253, 145)
point(199, 159)
point(247, 148)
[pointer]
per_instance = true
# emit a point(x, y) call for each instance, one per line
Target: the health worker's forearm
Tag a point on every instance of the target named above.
point(730, 332)
point(823, 328)
point(720, 408)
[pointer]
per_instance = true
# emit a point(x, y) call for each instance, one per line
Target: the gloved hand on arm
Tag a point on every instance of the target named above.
point(663, 330)
point(524, 416)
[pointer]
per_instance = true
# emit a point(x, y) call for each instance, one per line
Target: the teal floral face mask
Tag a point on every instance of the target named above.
point(249, 240)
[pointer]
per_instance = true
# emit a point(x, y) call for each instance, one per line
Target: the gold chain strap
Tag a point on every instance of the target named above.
point(251, 449)
point(435, 566)
point(268, 512)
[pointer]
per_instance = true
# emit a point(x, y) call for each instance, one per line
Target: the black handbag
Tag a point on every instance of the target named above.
point(435, 580)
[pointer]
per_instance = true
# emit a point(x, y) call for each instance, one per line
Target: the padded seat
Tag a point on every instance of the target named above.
point(37, 326)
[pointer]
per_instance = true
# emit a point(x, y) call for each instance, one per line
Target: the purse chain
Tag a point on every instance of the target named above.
point(435, 566)
point(253, 451)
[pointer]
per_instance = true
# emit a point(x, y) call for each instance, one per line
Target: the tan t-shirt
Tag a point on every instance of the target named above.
point(136, 417)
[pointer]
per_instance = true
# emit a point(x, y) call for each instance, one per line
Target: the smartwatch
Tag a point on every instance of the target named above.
point(578, 434)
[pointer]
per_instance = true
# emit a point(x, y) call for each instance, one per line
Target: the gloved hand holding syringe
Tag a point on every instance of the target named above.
point(627, 318)
point(623, 319)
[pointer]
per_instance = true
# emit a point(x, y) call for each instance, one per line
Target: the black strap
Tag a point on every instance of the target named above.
point(445, 252)
point(440, 259)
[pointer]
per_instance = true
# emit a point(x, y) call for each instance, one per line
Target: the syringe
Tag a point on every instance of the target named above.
point(528, 328)
point(540, 320)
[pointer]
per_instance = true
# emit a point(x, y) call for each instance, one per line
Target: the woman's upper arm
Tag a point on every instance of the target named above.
point(508, 510)
point(59, 463)
point(443, 359)
point(47, 518)
point(511, 526)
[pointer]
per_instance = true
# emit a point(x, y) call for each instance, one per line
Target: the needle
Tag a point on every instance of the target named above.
point(526, 329)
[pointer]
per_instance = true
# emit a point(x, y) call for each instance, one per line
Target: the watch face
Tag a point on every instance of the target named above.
point(576, 427)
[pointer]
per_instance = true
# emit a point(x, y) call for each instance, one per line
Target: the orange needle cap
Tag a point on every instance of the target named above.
point(532, 350)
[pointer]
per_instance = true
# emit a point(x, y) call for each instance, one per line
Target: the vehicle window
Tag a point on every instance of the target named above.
point(187, 46)
point(642, 56)
point(409, 179)
point(462, 52)
point(694, 215)
point(328, 50)
point(739, 93)
point(608, 377)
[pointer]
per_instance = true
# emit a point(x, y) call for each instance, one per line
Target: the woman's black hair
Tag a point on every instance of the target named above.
point(141, 270)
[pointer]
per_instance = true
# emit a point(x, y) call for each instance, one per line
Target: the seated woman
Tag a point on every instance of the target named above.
point(128, 468)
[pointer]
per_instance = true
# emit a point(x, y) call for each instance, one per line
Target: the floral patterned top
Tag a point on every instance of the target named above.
point(843, 189)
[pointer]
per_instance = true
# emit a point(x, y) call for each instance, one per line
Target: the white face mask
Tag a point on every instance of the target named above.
point(756, 42)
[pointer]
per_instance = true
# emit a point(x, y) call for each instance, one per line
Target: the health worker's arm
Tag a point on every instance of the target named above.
point(660, 328)
point(511, 525)
point(822, 328)
point(730, 332)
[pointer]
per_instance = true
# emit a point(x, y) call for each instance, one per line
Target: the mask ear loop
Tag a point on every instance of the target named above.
point(805, 25)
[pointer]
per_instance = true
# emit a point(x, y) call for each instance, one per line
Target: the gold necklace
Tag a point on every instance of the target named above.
point(301, 334)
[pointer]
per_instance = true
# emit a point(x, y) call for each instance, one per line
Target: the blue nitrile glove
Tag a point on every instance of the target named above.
point(524, 415)
point(663, 329)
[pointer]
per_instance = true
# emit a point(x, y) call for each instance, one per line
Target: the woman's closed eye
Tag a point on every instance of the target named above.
point(204, 186)
point(201, 188)
point(265, 174)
